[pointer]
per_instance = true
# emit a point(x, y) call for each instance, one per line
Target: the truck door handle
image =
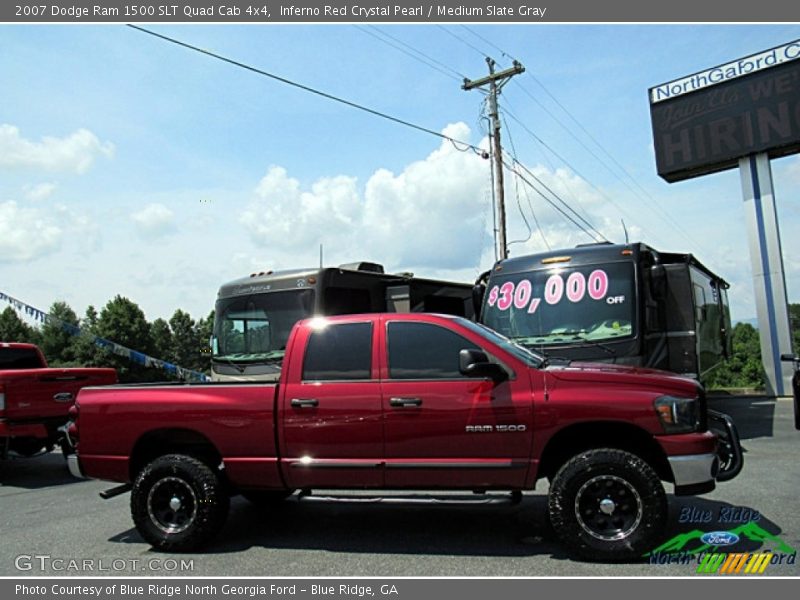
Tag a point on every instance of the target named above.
point(305, 402)
point(405, 402)
point(63, 397)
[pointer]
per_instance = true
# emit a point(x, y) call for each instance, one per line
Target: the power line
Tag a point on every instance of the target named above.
point(563, 160)
point(309, 89)
point(622, 180)
point(566, 182)
point(527, 198)
point(516, 193)
point(463, 41)
point(409, 50)
point(545, 186)
point(480, 37)
point(642, 192)
point(553, 204)
point(561, 200)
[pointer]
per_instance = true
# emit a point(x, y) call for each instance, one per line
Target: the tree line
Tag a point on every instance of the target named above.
point(744, 368)
point(181, 340)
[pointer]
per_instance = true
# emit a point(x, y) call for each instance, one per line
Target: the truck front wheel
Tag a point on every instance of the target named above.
point(607, 504)
point(178, 503)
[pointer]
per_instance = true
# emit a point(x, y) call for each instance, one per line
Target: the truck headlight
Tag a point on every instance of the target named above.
point(678, 415)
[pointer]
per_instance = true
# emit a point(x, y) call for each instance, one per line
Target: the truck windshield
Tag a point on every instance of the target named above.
point(255, 328)
point(564, 305)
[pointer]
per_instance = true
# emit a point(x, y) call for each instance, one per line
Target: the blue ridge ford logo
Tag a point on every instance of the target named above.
point(719, 538)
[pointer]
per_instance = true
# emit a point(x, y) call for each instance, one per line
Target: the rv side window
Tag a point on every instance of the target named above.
point(699, 303)
point(346, 301)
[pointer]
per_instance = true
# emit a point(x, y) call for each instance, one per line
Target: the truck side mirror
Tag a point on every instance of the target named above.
point(478, 290)
point(786, 357)
point(658, 282)
point(475, 363)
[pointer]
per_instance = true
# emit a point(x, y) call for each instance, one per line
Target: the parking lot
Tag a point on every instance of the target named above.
point(53, 524)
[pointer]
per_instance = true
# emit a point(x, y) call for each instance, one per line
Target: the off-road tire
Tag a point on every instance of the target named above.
point(178, 503)
point(607, 505)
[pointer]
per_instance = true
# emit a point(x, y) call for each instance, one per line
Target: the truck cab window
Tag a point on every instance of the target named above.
point(424, 351)
point(339, 352)
point(19, 358)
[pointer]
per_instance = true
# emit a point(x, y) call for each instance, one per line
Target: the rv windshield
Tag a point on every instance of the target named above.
point(563, 305)
point(255, 328)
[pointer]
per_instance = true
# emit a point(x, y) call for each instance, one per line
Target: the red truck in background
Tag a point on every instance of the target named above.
point(34, 399)
point(406, 401)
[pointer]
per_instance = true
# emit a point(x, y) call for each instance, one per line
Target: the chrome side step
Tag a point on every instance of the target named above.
point(514, 497)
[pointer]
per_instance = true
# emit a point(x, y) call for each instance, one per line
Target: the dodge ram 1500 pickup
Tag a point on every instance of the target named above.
point(34, 399)
point(406, 401)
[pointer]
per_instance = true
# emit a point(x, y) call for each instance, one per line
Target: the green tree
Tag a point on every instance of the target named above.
point(87, 354)
point(204, 330)
point(744, 368)
point(185, 343)
point(90, 320)
point(58, 343)
point(14, 329)
point(794, 318)
point(123, 322)
point(161, 335)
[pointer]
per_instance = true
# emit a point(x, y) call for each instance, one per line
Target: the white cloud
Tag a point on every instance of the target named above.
point(26, 233)
point(154, 221)
point(40, 191)
point(75, 152)
point(434, 213)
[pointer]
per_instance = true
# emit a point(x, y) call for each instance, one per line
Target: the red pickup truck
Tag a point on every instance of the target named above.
point(406, 401)
point(34, 399)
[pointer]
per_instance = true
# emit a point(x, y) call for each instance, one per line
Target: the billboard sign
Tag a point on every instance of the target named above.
point(706, 122)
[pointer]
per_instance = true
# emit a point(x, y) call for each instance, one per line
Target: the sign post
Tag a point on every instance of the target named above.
point(766, 258)
point(743, 113)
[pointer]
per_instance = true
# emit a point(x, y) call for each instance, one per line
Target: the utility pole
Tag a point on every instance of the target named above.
point(496, 81)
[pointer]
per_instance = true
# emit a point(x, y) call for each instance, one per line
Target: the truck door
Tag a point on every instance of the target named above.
point(330, 419)
point(444, 429)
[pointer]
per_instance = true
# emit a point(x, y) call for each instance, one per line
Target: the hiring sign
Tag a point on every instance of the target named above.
point(706, 122)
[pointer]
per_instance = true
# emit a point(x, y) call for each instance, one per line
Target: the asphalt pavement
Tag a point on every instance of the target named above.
point(53, 524)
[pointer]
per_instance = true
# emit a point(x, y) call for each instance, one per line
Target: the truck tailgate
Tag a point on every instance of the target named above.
point(48, 393)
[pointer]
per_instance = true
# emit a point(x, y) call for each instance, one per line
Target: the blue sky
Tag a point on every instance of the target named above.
point(132, 166)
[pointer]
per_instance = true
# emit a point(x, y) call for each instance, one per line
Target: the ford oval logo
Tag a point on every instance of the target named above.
point(719, 538)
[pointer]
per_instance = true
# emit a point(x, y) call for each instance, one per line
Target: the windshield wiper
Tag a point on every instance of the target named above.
point(575, 335)
point(604, 347)
point(557, 336)
point(273, 357)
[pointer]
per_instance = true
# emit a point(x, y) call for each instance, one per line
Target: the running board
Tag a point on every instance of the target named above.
point(514, 497)
point(116, 491)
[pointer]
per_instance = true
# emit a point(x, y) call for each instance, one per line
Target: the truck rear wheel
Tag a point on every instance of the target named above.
point(607, 504)
point(178, 503)
point(28, 446)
